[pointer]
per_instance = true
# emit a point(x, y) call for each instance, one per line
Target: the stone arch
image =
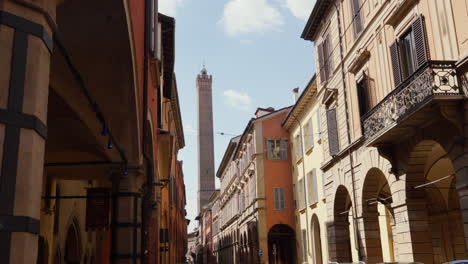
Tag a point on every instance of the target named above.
point(339, 231)
point(281, 244)
point(429, 182)
point(371, 160)
point(377, 216)
point(316, 239)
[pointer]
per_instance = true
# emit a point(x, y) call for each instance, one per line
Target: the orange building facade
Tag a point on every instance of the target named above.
point(256, 206)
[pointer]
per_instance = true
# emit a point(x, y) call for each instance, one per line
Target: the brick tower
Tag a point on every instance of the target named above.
point(206, 180)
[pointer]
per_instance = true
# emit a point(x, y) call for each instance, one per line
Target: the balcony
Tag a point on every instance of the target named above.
point(408, 106)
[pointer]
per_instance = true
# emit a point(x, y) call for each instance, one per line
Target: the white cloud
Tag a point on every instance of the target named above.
point(238, 100)
point(250, 16)
point(300, 8)
point(168, 7)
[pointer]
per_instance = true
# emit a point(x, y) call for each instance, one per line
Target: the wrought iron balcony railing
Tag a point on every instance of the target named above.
point(435, 80)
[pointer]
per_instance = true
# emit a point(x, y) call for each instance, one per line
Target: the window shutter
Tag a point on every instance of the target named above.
point(269, 149)
point(284, 148)
point(357, 22)
point(283, 203)
point(319, 125)
point(420, 43)
point(329, 60)
point(311, 133)
point(332, 132)
point(276, 198)
point(395, 56)
point(314, 185)
point(321, 63)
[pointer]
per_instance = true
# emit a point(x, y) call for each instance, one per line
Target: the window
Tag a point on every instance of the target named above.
point(304, 246)
point(279, 199)
point(324, 51)
point(277, 149)
point(301, 193)
point(357, 21)
point(409, 52)
point(308, 135)
point(363, 96)
point(333, 143)
point(298, 147)
point(312, 187)
point(253, 188)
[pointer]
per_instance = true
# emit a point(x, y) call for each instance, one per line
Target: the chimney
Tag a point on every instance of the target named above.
point(296, 94)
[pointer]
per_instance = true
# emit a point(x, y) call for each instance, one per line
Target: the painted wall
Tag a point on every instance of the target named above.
point(277, 173)
point(312, 159)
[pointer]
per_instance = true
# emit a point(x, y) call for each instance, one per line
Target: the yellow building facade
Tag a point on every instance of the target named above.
point(305, 128)
point(392, 82)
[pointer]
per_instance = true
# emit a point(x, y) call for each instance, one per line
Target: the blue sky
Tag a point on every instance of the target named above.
point(253, 50)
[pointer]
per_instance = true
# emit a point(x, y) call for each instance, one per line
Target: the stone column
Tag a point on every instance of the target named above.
point(338, 241)
point(412, 236)
point(25, 51)
point(370, 236)
point(126, 216)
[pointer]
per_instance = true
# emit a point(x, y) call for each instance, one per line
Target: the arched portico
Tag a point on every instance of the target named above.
point(339, 231)
point(281, 241)
point(435, 223)
point(378, 218)
point(316, 240)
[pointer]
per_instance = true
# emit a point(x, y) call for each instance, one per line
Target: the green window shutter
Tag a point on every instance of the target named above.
point(420, 43)
point(332, 132)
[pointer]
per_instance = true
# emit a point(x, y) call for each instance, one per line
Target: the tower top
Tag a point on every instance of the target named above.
point(203, 70)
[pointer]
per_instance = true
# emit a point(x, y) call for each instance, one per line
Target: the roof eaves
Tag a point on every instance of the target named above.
point(309, 86)
point(315, 19)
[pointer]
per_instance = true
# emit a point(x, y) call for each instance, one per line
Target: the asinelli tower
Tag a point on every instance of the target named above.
point(206, 177)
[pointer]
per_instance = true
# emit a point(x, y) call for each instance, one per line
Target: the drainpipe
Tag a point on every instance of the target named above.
point(351, 160)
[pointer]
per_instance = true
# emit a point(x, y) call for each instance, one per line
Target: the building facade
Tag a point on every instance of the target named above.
point(392, 81)
point(256, 210)
point(85, 153)
point(303, 123)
